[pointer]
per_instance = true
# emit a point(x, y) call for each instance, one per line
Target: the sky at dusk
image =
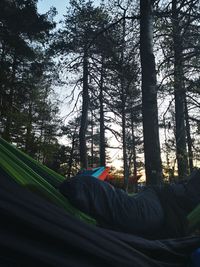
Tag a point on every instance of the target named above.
point(60, 5)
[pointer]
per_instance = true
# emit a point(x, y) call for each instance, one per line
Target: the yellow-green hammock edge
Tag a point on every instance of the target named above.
point(25, 171)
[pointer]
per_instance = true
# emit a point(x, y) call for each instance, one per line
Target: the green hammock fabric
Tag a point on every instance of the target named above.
point(52, 177)
point(36, 177)
point(194, 218)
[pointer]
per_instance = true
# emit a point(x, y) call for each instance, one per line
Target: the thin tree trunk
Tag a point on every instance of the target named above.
point(2, 89)
point(71, 156)
point(102, 126)
point(134, 155)
point(9, 118)
point(84, 116)
point(167, 151)
point(123, 103)
point(153, 166)
point(92, 140)
point(179, 93)
point(28, 141)
point(189, 139)
point(124, 140)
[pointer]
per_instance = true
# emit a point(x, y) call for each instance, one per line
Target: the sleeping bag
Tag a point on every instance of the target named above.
point(157, 212)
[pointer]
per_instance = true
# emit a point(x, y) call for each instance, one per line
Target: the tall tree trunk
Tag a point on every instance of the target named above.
point(123, 103)
point(2, 88)
point(179, 93)
point(9, 116)
point(153, 166)
point(28, 138)
point(84, 115)
point(71, 156)
point(189, 139)
point(125, 161)
point(167, 151)
point(92, 140)
point(102, 126)
point(134, 154)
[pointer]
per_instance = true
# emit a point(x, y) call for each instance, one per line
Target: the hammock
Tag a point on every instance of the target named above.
point(36, 177)
point(38, 225)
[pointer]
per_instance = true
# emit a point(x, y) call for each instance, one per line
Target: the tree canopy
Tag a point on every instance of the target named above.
point(129, 71)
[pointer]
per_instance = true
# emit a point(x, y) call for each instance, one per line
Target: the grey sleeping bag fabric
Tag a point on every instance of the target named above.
point(153, 213)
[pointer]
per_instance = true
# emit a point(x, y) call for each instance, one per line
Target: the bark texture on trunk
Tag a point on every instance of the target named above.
point(123, 103)
point(71, 156)
point(9, 118)
point(135, 189)
point(179, 94)
point(84, 115)
point(153, 166)
point(189, 139)
point(102, 126)
point(28, 137)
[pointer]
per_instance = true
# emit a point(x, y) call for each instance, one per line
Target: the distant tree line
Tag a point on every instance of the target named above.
point(133, 77)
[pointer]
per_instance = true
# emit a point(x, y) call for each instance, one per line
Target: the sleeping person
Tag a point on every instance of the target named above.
point(155, 213)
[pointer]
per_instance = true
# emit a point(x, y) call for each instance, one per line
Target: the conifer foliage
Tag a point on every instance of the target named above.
point(130, 71)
